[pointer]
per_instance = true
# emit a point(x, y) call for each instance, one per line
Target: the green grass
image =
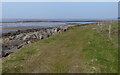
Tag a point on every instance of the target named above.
point(80, 49)
point(114, 32)
point(101, 54)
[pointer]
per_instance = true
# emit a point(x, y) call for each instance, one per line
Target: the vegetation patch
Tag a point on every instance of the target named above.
point(82, 49)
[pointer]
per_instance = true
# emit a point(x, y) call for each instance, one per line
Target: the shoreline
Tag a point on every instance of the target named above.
point(65, 20)
point(16, 28)
point(14, 40)
point(11, 29)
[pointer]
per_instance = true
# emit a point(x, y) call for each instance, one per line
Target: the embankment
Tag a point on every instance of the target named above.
point(12, 41)
point(81, 49)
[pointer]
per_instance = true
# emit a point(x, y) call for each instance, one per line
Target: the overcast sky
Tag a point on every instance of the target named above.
point(59, 10)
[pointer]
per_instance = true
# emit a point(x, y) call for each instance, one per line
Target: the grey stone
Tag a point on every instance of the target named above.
point(22, 44)
point(25, 37)
point(15, 42)
point(45, 35)
point(28, 42)
point(40, 36)
point(19, 37)
point(22, 37)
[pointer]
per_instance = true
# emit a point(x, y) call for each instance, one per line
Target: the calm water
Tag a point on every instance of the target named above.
point(43, 24)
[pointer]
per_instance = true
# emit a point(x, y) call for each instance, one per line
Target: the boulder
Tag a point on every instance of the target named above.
point(45, 35)
point(65, 28)
point(40, 36)
point(33, 37)
point(25, 37)
point(54, 31)
point(5, 47)
point(15, 42)
point(22, 44)
point(19, 37)
point(28, 42)
point(7, 52)
point(5, 40)
point(11, 37)
point(49, 32)
point(36, 35)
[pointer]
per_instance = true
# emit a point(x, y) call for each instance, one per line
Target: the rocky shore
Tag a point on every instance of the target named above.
point(14, 40)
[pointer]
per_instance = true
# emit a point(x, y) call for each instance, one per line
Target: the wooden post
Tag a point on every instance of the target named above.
point(109, 31)
point(100, 26)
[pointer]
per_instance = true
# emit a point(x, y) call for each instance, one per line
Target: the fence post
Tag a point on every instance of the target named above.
point(109, 31)
point(100, 26)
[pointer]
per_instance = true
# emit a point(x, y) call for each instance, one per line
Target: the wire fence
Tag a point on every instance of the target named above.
point(109, 28)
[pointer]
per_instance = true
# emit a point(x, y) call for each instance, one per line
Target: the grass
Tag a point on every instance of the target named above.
point(80, 49)
point(101, 55)
point(114, 32)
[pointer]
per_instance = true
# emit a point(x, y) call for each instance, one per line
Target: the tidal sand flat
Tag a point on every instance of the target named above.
point(9, 29)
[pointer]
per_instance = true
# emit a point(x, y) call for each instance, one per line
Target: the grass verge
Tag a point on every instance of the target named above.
point(79, 50)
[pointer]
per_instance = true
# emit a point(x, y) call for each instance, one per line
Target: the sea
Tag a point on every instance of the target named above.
point(14, 23)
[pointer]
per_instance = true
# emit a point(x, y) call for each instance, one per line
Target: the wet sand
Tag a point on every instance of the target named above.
point(9, 29)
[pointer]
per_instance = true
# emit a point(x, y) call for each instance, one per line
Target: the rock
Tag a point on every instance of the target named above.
point(19, 37)
point(22, 44)
point(45, 35)
point(59, 30)
point(15, 40)
point(5, 40)
point(54, 31)
point(49, 32)
point(28, 42)
point(25, 37)
point(6, 53)
point(7, 47)
point(40, 36)
point(65, 28)
point(0, 52)
point(33, 37)
point(11, 37)
point(36, 35)
point(0, 40)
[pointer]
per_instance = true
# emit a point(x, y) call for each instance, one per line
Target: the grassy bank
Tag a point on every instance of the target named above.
point(80, 49)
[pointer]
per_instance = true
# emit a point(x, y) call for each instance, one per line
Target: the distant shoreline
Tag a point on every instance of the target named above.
point(22, 28)
point(25, 21)
point(14, 40)
point(43, 21)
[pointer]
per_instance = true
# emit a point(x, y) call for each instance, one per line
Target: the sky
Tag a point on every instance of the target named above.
point(59, 10)
point(60, 0)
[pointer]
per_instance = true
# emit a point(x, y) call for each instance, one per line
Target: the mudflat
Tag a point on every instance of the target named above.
point(9, 29)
